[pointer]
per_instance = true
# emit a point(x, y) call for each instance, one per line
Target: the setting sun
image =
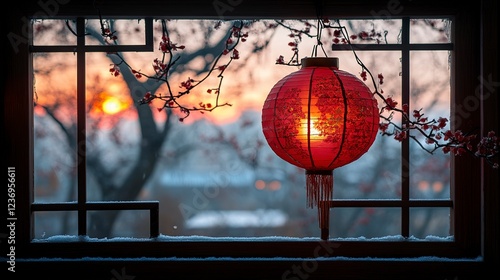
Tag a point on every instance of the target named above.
point(112, 105)
point(109, 104)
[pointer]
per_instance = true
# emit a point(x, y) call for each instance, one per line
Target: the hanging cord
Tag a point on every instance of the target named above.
point(319, 27)
point(345, 35)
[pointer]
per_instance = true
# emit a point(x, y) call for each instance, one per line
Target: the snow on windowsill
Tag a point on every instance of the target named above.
point(74, 238)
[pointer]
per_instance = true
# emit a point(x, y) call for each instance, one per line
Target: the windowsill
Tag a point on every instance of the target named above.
point(429, 259)
point(258, 268)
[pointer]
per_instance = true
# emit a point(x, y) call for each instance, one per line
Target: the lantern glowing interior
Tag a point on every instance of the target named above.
point(320, 118)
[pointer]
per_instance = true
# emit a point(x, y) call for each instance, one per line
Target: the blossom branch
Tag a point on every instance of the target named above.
point(414, 126)
point(163, 66)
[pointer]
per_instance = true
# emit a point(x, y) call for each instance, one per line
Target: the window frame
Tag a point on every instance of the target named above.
point(474, 245)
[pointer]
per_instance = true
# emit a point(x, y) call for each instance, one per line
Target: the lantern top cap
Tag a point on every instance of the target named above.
point(320, 62)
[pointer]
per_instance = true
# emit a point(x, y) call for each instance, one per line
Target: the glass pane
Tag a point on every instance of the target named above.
point(426, 223)
point(429, 100)
point(116, 31)
point(54, 120)
point(238, 223)
point(112, 131)
point(53, 32)
point(430, 31)
point(55, 223)
point(131, 223)
point(376, 174)
point(373, 31)
point(365, 223)
point(429, 174)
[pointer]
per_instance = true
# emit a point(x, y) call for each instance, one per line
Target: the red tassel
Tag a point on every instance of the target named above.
point(319, 186)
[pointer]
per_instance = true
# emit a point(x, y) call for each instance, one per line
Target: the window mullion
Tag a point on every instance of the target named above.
point(81, 127)
point(405, 144)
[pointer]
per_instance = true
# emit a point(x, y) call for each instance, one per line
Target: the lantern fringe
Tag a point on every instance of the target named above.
point(319, 187)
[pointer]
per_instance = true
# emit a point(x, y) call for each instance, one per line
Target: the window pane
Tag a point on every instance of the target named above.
point(50, 32)
point(112, 130)
point(236, 223)
point(430, 31)
point(429, 174)
point(430, 96)
point(373, 31)
point(427, 222)
point(129, 223)
point(117, 31)
point(54, 127)
point(365, 222)
point(55, 223)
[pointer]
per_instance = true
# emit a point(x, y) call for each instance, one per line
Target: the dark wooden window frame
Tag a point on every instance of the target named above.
point(475, 193)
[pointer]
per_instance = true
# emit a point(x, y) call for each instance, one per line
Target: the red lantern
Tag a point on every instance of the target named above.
point(320, 118)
